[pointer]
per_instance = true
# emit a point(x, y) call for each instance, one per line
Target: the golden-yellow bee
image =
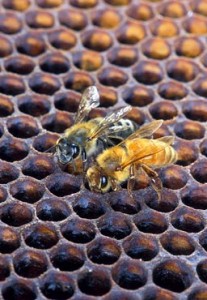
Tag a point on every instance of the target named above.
point(88, 138)
point(130, 157)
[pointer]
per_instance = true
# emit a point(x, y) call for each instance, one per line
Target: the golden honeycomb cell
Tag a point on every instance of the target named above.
point(195, 25)
point(148, 72)
point(123, 56)
point(172, 9)
point(87, 60)
point(112, 76)
point(107, 18)
point(16, 4)
point(39, 19)
point(164, 28)
point(62, 39)
point(182, 70)
point(142, 12)
point(131, 33)
point(156, 48)
point(118, 2)
point(78, 81)
point(138, 96)
point(83, 3)
point(31, 44)
point(189, 46)
point(6, 46)
point(10, 23)
point(199, 7)
point(74, 19)
point(172, 90)
point(97, 40)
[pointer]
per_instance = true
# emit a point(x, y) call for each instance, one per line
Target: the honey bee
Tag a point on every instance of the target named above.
point(125, 161)
point(87, 138)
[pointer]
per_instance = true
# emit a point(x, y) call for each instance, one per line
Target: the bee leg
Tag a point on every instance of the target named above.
point(114, 185)
point(131, 180)
point(155, 180)
point(84, 160)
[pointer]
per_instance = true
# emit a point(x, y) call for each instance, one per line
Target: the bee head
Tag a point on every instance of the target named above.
point(67, 151)
point(97, 180)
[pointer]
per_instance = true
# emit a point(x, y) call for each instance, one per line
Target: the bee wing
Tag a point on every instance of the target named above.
point(106, 125)
point(151, 148)
point(167, 139)
point(89, 100)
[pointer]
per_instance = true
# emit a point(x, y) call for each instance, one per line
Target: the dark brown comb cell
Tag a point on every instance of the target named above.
point(123, 56)
point(67, 257)
point(41, 236)
point(6, 46)
point(10, 23)
point(187, 219)
point(3, 194)
point(34, 105)
point(94, 281)
point(156, 48)
point(195, 110)
point(173, 177)
point(6, 106)
point(73, 19)
point(200, 86)
point(203, 147)
point(199, 170)
point(140, 246)
point(78, 230)
point(16, 214)
point(49, 3)
point(20, 64)
point(45, 141)
point(195, 195)
point(112, 76)
point(16, 4)
point(189, 47)
point(198, 293)
point(97, 40)
point(173, 9)
point(203, 240)
point(83, 3)
point(87, 60)
point(129, 274)
point(19, 289)
point(168, 200)
point(189, 130)
point(55, 63)
point(121, 201)
point(38, 166)
point(118, 2)
point(106, 18)
point(148, 72)
point(39, 19)
point(30, 263)
point(4, 268)
point(57, 122)
point(149, 221)
point(103, 251)
point(31, 44)
point(89, 206)
point(78, 81)
point(52, 209)
point(140, 12)
point(201, 270)
point(68, 101)
point(22, 126)
point(182, 70)
point(44, 83)
point(131, 33)
point(12, 149)
point(27, 190)
point(174, 275)
point(55, 285)
point(62, 184)
point(195, 25)
point(157, 293)
point(163, 110)
point(138, 95)
point(62, 39)
point(172, 90)
point(11, 84)
point(178, 243)
point(108, 96)
point(8, 172)
point(187, 152)
point(114, 224)
point(164, 28)
point(9, 239)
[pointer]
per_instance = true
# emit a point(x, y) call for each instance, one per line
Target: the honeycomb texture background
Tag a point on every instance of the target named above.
point(57, 239)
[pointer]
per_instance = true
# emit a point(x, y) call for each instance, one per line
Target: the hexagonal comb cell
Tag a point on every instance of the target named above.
point(58, 240)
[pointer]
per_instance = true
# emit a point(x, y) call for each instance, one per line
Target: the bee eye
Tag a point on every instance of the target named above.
point(103, 181)
point(75, 150)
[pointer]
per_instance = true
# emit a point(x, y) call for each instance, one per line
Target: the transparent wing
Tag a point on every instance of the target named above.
point(89, 100)
point(144, 131)
point(106, 125)
point(151, 148)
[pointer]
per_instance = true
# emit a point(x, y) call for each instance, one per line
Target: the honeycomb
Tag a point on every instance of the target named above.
point(57, 239)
